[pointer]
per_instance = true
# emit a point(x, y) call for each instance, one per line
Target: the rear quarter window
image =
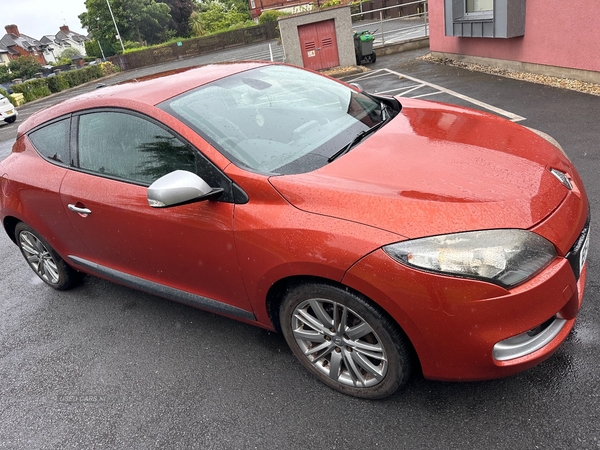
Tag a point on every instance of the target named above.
point(52, 141)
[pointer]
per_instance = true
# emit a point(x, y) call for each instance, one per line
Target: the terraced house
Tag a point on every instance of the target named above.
point(17, 44)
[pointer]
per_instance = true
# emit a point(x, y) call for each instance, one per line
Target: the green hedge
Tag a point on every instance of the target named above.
point(42, 87)
point(57, 83)
point(80, 76)
point(32, 89)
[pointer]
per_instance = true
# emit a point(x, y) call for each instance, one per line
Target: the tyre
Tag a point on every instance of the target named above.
point(373, 57)
point(10, 119)
point(344, 341)
point(44, 261)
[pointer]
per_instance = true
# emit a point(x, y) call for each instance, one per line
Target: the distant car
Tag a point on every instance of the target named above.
point(8, 112)
point(377, 236)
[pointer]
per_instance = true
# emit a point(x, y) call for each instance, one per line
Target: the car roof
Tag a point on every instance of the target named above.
point(156, 88)
point(149, 90)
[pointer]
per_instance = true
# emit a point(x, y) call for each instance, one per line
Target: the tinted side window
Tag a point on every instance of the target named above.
point(52, 141)
point(131, 148)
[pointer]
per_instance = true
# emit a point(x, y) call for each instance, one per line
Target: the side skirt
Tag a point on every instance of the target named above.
point(160, 290)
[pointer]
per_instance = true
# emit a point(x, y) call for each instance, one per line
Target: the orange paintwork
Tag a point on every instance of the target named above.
point(433, 169)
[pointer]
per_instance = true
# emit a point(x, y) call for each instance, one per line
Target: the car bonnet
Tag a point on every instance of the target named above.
point(437, 169)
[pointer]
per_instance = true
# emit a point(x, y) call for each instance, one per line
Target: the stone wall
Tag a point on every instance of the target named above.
point(195, 47)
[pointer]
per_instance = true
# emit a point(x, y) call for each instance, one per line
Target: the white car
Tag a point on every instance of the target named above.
point(8, 112)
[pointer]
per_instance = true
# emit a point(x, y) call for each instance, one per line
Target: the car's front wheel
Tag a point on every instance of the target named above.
point(44, 261)
point(344, 341)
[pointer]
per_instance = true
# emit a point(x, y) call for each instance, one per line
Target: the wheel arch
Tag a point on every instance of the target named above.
point(277, 292)
point(10, 223)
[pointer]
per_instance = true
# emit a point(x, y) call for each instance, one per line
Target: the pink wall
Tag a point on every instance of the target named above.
point(557, 33)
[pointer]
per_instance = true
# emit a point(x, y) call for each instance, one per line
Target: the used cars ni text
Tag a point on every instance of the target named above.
point(378, 234)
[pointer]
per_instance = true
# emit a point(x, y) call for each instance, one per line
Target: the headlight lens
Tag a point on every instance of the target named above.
point(504, 257)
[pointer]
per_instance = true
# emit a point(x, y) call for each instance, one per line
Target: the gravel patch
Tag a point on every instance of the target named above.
point(339, 72)
point(565, 83)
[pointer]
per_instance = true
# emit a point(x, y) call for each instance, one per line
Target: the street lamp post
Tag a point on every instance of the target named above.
point(101, 51)
point(98, 39)
point(116, 28)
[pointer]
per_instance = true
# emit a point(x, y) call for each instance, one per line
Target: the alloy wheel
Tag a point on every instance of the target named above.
point(339, 343)
point(39, 257)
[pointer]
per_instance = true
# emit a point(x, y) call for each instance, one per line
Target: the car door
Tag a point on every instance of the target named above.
point(173, 252)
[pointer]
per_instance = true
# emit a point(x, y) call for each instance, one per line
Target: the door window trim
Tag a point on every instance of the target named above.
point(232, 192)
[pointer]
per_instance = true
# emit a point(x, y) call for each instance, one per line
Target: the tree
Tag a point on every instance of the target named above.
point(5, 75)
point(100, 49)
point(148, 19)
point(240, 5)
point(181, 10)
point(196, 24)
point(24, 67)
point(137, 20)
point(69, 53)
point(215, 16)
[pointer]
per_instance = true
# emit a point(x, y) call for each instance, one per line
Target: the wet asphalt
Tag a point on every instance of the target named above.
point(103, 366)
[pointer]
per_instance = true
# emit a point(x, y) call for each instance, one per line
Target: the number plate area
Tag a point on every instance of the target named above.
point(578, 253)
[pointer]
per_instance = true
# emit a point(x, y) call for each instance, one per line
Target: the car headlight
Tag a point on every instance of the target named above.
point(504, 257)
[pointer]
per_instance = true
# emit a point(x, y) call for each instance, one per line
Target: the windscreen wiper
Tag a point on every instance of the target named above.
point(359, 137)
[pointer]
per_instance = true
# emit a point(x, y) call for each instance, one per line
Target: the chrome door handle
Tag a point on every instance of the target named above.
point(79, 210)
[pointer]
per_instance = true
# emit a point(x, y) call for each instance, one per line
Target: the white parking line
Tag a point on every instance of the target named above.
point(440, 89)
point(369, 75)
point(427, 95)
point(416, 86)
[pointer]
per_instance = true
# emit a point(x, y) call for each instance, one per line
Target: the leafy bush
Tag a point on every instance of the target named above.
point(108, 68)
point(270, 15)
point(355, 9)
point(42, 87)
point(240, 25)
point(24, 67)
point(57, 83)
point(5, 75)
point(214, 17)
point(33, 89)
point(80, 76)
point(329, 3)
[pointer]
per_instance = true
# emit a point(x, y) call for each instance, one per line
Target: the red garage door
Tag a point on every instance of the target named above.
point(319, 45)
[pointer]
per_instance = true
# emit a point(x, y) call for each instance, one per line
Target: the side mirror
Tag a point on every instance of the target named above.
point(357, 86)
point(178, 187)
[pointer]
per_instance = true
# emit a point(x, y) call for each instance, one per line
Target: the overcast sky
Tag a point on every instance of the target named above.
point(37, 18)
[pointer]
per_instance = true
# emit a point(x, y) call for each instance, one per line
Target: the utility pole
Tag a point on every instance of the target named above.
point(116, 28)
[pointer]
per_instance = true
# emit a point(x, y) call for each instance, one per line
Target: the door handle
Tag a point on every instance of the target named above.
point(84, 211)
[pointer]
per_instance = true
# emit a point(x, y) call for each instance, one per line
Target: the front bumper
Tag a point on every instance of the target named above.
point(454, 324)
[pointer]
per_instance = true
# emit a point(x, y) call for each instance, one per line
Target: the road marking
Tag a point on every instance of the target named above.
point(421, 83)
point(416, 86)
point(427, 95)
point(379, 72)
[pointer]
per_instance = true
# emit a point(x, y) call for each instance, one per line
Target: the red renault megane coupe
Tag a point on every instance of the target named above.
point(378, 235)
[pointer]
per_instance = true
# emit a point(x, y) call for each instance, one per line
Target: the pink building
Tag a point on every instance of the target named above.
point(550, 36)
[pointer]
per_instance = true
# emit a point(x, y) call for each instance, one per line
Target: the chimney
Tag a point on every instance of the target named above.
point(65, 29)
point(12, 29)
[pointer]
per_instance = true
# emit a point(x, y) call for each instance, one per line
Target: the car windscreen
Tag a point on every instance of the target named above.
point(277, 119)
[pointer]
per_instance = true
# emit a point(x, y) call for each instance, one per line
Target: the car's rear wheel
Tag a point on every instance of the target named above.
point(344, 341)
point(10, 119)
point(44, 261)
